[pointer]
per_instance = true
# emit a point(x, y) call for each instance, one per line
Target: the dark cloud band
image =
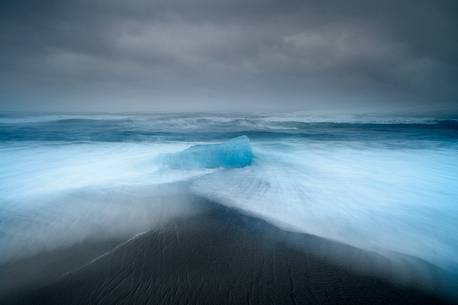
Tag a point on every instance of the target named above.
point(228, 55)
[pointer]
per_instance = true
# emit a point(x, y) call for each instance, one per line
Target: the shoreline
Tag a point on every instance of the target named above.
point(218, 256)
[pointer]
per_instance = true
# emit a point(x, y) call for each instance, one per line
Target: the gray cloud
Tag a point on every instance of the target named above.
point(228, 55)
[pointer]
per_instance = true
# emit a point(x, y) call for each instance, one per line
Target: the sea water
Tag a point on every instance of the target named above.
point(384, 184)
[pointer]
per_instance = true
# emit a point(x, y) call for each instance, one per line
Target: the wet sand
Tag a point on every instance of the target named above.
point(220, 256)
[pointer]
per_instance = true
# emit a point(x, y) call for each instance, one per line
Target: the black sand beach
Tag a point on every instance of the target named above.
point(219, 256)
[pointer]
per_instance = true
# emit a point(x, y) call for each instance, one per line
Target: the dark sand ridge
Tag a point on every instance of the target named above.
point(219, 256)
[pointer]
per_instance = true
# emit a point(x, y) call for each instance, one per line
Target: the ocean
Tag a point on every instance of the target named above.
point(384, 184)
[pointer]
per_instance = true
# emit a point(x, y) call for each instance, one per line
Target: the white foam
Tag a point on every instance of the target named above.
point(55, 195)
point(377, 199)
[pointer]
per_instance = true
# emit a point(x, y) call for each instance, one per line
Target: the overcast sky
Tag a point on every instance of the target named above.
point(229, 55)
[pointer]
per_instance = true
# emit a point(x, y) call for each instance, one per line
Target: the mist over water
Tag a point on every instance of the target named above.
point(387, 184)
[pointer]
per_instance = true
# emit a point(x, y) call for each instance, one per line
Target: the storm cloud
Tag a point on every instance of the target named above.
point(228, 55)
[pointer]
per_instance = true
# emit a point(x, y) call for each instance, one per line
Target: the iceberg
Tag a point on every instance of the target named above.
point(233, 153)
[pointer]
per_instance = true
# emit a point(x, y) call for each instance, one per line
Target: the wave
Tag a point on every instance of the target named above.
point(56, 195)
point(208, 128)
point(193, 120)
point(400, 201)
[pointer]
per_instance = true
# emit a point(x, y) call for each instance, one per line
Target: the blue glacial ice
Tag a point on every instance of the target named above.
point(233, 153)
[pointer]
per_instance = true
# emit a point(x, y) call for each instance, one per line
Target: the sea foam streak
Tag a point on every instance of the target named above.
point(376, 199)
